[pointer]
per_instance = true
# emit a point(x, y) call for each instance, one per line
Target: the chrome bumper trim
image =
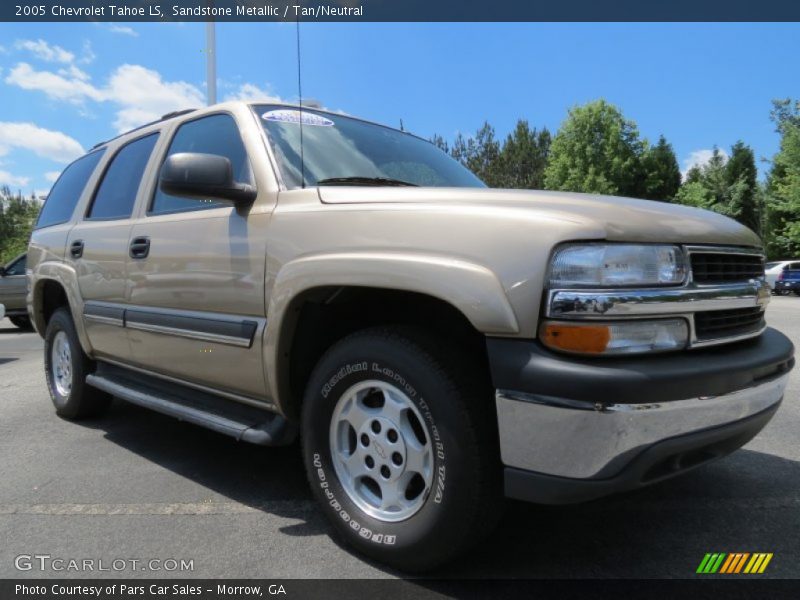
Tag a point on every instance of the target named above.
point(655, 301)
point(583, 440)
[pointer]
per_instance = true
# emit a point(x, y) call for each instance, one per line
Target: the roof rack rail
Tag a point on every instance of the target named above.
point(171, 115)
point(177, 113)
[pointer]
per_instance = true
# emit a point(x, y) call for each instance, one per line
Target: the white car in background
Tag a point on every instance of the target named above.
point(773, 269)
point(2, 312)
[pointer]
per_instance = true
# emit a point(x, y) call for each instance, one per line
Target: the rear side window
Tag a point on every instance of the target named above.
point(117, 191)
point(67, 191)
point(217, 134)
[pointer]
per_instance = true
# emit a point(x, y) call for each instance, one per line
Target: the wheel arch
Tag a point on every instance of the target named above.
point(55, 285)
point(317, 300)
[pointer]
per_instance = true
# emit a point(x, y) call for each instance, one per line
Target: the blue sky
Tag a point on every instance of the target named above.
point(64, 87)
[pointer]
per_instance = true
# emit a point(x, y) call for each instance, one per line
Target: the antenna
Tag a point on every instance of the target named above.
point(401, 125)
point(211, 60)
point(300, 105)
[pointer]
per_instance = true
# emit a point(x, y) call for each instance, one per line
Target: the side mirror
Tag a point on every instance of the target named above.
point(203, 177)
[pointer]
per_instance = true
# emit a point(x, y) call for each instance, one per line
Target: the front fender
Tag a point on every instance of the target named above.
point(471, 288)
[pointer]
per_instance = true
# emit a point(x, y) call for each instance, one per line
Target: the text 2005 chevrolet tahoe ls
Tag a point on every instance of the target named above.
point(435, 343)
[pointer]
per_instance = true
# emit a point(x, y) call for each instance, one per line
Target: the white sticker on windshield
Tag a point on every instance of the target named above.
point(296, 117)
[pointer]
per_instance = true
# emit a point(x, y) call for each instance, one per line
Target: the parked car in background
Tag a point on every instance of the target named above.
point(13, 291)
point(773, 269)
point(788, 280)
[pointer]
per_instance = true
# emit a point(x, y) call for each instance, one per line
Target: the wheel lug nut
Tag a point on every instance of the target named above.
point(369, 461)
point(364, 439)
point(397, 458)
point(392, 435)
point(376, 427)
point(385, 472)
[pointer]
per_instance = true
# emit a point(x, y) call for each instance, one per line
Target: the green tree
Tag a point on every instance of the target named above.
point(661, 175)
point(523, 158)
point(782, 220)
point(596, 150)
point(741, 177)
point(725, 185)
point(17, 218)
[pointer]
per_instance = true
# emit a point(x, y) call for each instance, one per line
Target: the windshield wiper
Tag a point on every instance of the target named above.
point(364, 181)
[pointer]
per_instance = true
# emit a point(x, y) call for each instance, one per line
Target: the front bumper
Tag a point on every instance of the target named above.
point(575, 429)
point(787, 286)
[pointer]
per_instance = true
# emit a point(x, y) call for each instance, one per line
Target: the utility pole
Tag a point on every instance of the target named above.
point(211, 62)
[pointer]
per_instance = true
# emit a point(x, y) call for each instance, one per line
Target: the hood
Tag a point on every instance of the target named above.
point(622, 219)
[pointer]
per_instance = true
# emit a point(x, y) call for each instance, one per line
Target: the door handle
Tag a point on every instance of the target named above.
point(76, 249)
point(140, 247)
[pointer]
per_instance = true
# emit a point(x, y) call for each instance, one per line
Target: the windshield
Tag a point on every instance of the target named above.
point(339, 150)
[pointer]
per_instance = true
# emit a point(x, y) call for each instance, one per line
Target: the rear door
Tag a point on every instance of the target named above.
point(14, 287)
point(196, 273)
point(98, 247)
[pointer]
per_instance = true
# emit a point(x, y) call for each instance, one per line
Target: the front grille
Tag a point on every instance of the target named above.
point(714, 324)
point(724, 268)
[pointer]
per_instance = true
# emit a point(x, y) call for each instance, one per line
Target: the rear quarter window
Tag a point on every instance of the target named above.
point(66, 192)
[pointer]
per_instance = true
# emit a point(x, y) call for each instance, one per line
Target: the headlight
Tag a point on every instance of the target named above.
point(618, 337)
point(617, 265)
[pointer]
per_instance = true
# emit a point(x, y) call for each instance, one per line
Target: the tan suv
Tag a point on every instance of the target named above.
point(262, 271)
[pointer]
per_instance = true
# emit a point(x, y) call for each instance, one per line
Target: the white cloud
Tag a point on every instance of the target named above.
point(68, 87)
point(144, 96)
point(7, 178)
point(123, 30)
point(141, 94)
point(87, 54)
point(699, 158)
point(46, 143)
point(44, 51)
point(51, 176)
point(249, 92)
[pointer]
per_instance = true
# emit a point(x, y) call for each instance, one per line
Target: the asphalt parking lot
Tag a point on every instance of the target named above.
point(138, 485)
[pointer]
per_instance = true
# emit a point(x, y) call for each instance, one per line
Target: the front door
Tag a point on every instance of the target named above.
point(196, 276)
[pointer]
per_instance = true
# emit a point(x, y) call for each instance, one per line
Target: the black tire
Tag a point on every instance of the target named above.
point(82, 401)
point(21, 322)
point(797, 292)
point(465, 500)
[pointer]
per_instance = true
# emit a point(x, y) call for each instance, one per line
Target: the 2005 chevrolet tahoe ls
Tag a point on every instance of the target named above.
point(436, 344)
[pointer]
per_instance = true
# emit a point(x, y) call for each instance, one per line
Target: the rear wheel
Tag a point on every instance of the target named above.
point(400, 447)
point(66, 367)
point(21, 322)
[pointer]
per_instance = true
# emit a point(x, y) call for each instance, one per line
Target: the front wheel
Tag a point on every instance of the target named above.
point(66, 367)
point(400, 447)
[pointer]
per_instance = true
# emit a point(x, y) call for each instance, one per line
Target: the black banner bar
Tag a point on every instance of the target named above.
point(399, 10)
point(729, 588)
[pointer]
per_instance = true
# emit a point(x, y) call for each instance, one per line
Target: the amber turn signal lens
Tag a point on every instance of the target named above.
point(588, 339)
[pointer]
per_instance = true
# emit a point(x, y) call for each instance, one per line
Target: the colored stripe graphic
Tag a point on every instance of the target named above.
point(734, 562)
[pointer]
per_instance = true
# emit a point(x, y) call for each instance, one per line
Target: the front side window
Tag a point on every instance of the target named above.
point(67, 190)
point(339, 150)
point(217, 134)
point(17, 267)
point(116, 193)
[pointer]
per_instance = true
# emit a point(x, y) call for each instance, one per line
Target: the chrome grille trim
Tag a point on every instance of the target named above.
point(674, 301)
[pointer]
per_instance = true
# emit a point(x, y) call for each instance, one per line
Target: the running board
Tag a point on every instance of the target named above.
point(243, 422)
